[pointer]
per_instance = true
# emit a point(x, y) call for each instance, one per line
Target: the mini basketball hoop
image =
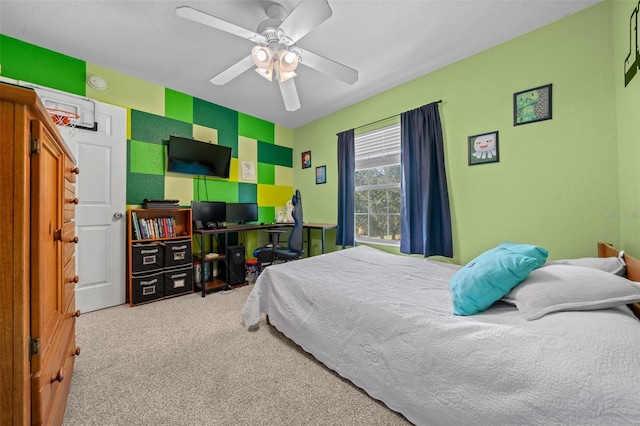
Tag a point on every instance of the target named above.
point(64, 118)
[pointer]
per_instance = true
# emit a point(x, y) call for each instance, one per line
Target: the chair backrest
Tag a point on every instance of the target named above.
point(295, 238)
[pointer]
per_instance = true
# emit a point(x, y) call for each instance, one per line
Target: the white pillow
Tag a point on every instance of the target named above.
point(613, 265)
point(555, 288)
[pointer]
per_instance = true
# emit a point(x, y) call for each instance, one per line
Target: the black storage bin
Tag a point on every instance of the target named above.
point(178, 280)
point(177, 253)
point(147, 286)
point(146, 257)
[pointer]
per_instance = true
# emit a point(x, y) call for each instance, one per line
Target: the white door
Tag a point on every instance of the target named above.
point(100, 214)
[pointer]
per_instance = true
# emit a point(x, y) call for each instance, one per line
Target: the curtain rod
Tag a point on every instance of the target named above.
point(391, 116)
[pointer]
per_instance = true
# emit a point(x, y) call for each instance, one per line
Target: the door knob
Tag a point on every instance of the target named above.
point(117, 215)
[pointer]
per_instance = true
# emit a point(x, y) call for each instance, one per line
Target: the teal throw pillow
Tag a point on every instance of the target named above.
point(490, 276)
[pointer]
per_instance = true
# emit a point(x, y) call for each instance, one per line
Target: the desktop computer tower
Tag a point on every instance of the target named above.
point(235, 262)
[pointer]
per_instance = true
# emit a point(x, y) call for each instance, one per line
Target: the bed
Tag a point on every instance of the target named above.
point(385, 322)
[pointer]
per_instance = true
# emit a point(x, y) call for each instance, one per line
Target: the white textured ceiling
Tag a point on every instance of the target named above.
point(388, 42)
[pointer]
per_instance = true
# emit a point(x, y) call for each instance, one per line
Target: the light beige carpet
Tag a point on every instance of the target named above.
point(190, 361)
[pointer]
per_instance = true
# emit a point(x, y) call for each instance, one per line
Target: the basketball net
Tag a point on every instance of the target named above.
point(64, 118)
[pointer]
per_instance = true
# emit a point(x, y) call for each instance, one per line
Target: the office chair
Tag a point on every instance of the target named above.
point(273, 253)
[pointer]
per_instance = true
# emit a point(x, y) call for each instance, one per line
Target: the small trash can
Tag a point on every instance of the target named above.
point(252, 270)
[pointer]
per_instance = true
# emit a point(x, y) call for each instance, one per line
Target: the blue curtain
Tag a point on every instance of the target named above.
point(425, 218)
point(345, 233)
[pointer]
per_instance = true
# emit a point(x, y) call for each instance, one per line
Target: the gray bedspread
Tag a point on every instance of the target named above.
point(384, 322)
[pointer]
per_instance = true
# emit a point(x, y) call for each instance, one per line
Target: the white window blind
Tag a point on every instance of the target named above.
point(380, 147)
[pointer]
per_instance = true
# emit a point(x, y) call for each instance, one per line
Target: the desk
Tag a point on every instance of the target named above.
point(309, 226)
point(322, 227)
point(219, 284)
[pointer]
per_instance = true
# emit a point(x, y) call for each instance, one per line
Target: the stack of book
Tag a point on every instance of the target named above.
point(149, 229)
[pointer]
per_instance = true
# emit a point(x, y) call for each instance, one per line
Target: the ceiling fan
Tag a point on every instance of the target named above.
point(275, 53)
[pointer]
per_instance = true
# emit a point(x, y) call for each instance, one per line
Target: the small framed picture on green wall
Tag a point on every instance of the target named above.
point(483, 148)
point(306, 159)
point(532, 105)
point(321, 174)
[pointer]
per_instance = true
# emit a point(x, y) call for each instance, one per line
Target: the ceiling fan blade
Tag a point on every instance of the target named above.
point(233, 71)
point(217, 23)
point(304, 18)
point(327, 66)
point(289, 95)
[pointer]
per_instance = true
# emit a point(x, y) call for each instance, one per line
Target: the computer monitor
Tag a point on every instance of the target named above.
point(242, 212)
point(209, 212)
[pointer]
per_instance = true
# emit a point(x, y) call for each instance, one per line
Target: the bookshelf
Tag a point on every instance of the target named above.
point(159, 254)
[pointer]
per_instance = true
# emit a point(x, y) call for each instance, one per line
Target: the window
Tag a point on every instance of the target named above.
point(377, 191)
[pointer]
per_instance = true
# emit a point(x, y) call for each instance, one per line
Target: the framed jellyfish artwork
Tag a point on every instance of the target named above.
point(483, 148)
point(532, 105)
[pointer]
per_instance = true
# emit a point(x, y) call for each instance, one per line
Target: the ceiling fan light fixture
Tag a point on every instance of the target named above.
point(261, 56)
point(274, 51)
point(287, 60)
point(266, 72)
point(286, 75)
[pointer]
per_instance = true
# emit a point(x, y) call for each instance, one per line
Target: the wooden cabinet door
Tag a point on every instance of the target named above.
point(47, 166)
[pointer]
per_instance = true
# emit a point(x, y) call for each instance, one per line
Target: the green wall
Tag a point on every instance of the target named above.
point(628, 127)
point(155, 112)
point(556, 183)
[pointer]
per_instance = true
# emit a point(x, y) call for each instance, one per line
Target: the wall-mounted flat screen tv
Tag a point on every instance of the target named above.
point(193, 157)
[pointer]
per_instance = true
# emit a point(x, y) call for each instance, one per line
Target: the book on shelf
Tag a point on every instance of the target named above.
point(135, 226)
point(153, 228)
point(165, 227)
point(172, 226)
point(145, 229)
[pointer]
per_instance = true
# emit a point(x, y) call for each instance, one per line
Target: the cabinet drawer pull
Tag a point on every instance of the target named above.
point(75, 170)
point(77, 351)
point(74, 201)
point(77, 314)
point(58, 377)
point(74, 240)
point(75, 279)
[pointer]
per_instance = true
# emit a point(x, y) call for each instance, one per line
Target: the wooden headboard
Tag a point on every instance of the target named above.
point(633, 268)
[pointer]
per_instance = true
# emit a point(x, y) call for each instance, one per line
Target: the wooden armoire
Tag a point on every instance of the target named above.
point(37, 266)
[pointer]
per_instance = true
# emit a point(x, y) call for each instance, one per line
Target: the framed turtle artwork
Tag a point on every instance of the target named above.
point(532, 105)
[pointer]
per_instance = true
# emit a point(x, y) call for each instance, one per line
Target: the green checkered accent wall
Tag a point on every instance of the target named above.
point(154, 113)
point(251, 140)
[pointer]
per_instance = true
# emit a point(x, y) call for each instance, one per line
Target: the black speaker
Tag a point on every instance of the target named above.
point(237, 271)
